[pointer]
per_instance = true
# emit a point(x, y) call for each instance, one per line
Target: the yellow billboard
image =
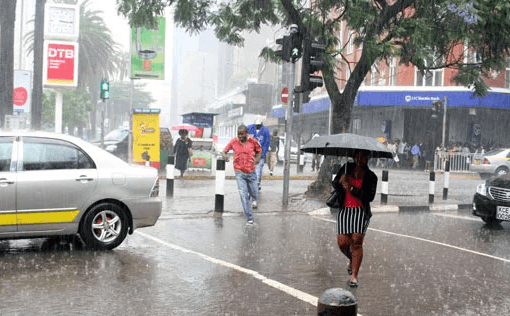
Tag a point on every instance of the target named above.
point(146, 136)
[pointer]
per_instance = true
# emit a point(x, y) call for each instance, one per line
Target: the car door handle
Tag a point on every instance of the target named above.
point(84, 178)
point(6, 181)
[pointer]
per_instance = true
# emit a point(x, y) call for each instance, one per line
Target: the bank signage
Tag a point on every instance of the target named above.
point(60, 67)
point(418, 98)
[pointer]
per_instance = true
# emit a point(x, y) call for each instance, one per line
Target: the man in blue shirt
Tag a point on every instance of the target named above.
point(260, 133)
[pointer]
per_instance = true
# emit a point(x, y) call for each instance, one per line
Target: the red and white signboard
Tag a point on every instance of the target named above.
point(285, 95)
point(22, 92)
point(60, 67)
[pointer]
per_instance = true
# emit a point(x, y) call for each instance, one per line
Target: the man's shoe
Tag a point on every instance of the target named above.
point(270, 173)
point(254, 204)
point(250, 222)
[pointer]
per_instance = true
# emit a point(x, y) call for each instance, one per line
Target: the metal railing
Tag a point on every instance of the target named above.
point(459, 162)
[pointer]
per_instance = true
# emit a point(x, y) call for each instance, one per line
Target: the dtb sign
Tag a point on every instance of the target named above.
point(60, 64)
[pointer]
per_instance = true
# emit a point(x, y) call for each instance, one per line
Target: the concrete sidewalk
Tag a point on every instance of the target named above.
point(408, 190)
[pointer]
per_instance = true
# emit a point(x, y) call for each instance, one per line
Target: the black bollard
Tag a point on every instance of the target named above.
point(432, 185)
point(337, 302)
point(446, 181)
point(384, 187)
point(220, 185)
point(170, 176)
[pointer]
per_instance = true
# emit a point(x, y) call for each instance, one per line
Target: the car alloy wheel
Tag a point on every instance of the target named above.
point(105, 226)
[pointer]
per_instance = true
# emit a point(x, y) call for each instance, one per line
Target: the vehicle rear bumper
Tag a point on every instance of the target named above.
point(145, 212)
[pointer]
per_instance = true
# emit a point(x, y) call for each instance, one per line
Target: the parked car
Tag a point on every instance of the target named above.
point(491, 201)
point(495, 162)
point(116, 142)
point(220, 144)
point(293, 152)
point(59, 185)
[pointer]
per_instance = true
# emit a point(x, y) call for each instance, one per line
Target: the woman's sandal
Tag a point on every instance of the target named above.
point(353, 283)
point(349, 271)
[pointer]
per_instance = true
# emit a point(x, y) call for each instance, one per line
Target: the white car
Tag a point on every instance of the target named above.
point(293, 152)
point(58, 185)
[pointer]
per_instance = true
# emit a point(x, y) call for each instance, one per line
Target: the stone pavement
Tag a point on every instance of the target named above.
point(408, 190)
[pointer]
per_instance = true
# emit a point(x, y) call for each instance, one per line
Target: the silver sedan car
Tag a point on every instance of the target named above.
point(495, 162)
point(59, 185)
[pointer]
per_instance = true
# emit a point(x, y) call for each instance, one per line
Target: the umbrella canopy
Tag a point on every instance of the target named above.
point(345, 145)
point(190, 128)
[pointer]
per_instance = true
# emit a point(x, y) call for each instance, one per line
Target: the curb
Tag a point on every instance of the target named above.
point(326, 211)
point(233, 177)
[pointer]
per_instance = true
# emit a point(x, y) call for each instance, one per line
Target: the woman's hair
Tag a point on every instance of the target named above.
point(242, 127)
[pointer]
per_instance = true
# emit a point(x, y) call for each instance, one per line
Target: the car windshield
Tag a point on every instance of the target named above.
point(117, 134)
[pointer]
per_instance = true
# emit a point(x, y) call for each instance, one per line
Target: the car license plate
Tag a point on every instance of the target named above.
point(503, 213)
point(477, 161)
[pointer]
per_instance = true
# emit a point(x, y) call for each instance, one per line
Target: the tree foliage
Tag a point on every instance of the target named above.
point(422, 33)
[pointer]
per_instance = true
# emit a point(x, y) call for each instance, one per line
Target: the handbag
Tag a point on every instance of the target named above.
point(333, 200)
point(190, 152)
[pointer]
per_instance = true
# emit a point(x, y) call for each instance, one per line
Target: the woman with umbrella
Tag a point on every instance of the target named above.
point(182, 151)
point(357, 186)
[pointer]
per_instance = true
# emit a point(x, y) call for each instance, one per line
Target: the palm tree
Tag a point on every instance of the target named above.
point(99, 57)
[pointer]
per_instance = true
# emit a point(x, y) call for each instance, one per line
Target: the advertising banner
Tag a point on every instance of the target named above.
point(22, 93)
point(146, 138)
point(60, 67)
point(148, 52)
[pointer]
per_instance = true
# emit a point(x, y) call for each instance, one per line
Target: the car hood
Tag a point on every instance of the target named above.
point(500, 182)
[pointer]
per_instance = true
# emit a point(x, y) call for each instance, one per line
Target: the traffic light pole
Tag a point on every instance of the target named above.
point(288, 136)
point(444, 120)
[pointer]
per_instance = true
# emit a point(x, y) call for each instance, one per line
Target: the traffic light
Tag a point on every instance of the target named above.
point(105, 89)
point(312, 63)
point(437, 109)
point(285, 51)
point(296, 50)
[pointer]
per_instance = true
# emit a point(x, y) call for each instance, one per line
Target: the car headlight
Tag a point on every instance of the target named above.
point(111, 148)
point(481, 189)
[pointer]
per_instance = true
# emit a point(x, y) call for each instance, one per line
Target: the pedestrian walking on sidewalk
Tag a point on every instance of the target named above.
point(357, 186)
point(182, 151)
point(247, 152)
point(260, 133)
point(274, 146)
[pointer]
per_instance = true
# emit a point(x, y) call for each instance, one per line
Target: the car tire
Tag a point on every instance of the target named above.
point(490, 220)
point(104, 227)
point(501, 171)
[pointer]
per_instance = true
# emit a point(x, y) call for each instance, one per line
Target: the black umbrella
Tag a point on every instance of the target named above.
point(345, 145)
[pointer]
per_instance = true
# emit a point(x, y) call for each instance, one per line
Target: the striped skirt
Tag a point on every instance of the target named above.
point(352, 220)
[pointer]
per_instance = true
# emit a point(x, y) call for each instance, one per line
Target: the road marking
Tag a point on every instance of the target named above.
point(430, 241)
point(475, 219)
point(305, 297)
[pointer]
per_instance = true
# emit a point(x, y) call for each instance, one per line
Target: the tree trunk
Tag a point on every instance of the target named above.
point(342, 106)
point(37, 91)
point(7, 20)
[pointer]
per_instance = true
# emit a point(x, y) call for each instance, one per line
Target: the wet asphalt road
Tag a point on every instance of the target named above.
point(415, 263)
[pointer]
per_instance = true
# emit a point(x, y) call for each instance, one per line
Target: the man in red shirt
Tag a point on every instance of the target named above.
point(247, 153)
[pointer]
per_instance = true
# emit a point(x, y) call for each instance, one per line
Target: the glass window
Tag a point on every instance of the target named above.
point(51, 154)
point(5, 153)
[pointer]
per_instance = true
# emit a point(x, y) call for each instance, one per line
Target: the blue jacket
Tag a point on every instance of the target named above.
point(262, 135)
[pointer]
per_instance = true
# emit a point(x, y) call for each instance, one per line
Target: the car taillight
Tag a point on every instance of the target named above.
point(155, 189)
point(486, 162)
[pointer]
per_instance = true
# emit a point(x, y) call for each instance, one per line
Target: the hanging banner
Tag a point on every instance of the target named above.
point(60, 64)
point(22, 93)
point(148, 51)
